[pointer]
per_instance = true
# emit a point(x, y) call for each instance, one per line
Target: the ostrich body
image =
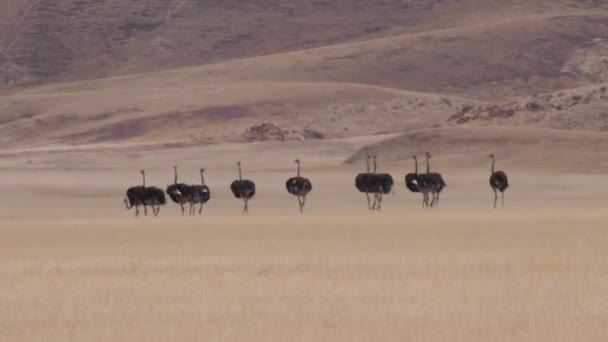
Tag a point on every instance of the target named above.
point(142, 195)
point(136, 196)
point(417, 182)
point(363, 183)
point(299, 187)
point(243, 189)
point(155, 197)
point(380, 184)
point(434, 183)
point(200, 194)
point(498, 182)
point(179, 193)
point(411, 179)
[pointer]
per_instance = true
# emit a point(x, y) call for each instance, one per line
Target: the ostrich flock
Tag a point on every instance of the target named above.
point(371, 183)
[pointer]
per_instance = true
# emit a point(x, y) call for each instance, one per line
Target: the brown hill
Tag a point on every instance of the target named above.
point(424, 65)
point(43, 41)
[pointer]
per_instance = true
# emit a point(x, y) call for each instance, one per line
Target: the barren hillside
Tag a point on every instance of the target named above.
point(42, 41)
point(205, 72)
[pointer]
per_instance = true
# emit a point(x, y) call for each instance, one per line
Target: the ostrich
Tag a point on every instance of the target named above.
point(363, 183)
point(299, 186)
point(498, 181)
point(200, 194)
point(144, 195)
point(243, 189)
point(415, 182)
point(435, 183)
point(136, 196)
point(179, 192)
point(381, 183)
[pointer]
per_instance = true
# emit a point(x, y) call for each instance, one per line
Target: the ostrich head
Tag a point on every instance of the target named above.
point(414, 157)
point(491, 155)
point(428, 155)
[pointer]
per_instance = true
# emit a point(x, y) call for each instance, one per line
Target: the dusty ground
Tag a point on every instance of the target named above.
point(75, 265)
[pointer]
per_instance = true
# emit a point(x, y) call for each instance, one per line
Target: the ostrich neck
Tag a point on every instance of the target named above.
point(493, 162)
point(415, 166)
point(368, 165)
point(375, 166)
point(175, 178)
point(202, 178)
point(240, 174)
point(143, 176)
point(428, 165)
point(298, 169)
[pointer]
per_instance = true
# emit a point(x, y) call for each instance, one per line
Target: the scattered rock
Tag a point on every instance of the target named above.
point(268, 131)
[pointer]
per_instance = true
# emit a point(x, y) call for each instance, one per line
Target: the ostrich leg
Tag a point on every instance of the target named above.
point(136, 210)
point(246, 206)
point(369, 203)
point(200, 209)
point(495, 197)
point(183, 210)
point(503, 198)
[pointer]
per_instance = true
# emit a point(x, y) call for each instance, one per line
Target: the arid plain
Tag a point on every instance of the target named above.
point(152, 84)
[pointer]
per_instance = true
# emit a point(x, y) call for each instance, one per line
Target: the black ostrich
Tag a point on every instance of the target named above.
point(498, 182)
point(243, 189)
point(381, 184)
point(434, 183)
point(416, 182)
point(146, 196)
point(411, 179)
point(179, 193)
point(136, 196)
point(299, 187)
point(200, 194)
point(363, 183)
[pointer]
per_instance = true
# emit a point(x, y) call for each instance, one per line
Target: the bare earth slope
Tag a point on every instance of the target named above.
point(42, 41)
point(400, 82)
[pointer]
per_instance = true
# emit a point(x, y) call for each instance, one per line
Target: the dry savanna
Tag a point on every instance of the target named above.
point(92, 92)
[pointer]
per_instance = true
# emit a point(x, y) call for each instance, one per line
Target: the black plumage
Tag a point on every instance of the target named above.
point(179, 193)
point(146, 196)
point(136, 196)
point(363, 183)
point(498, 181)
point(200, 194)
point(433, 183)
point(243, 189)
point(155, 197)
point(299, 187)
point(380, 184)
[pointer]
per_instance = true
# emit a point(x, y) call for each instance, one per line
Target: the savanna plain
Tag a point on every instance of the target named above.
point(75, 265)
point(124, 86)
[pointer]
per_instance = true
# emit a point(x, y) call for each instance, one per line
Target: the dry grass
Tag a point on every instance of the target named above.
point(472, 275)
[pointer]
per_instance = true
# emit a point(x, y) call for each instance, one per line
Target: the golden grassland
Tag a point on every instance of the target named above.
point(457, 275)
